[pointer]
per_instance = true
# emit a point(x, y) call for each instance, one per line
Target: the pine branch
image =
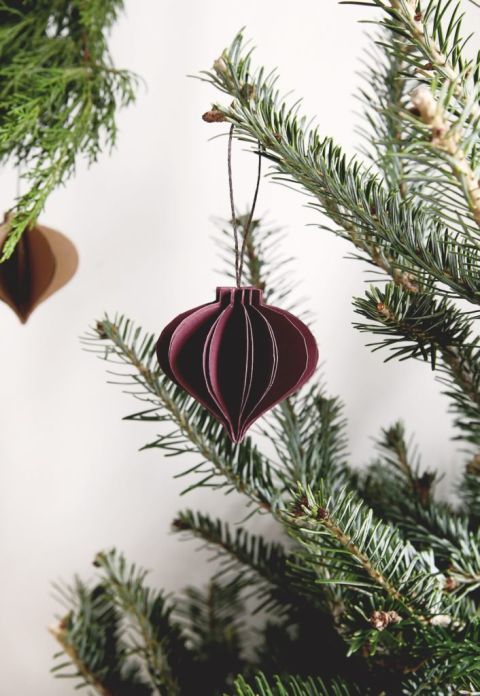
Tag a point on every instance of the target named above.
point(154, 636)
point(444, 118)
point(396, 236)
point(390, 586)
point(341, 534)
point(399, 493)
point(308, 433)
point(383, 96)
point(422, 326)
point(292, 686)
point(453, 667)
point(89, 636)
point(445, 143)
point(213, 622)
point(402, 460)
point(265, 266)
point(223, 464)
point(469, 490)
point(59, 93)
point(247, 561)
point(435, 35)
point(422, 149)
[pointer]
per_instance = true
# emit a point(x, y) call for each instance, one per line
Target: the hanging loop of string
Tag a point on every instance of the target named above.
point(240, 251)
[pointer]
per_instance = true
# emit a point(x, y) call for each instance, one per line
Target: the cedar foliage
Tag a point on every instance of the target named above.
point(59, 94)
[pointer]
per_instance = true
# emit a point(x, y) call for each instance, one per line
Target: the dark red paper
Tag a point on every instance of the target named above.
point(238, 356)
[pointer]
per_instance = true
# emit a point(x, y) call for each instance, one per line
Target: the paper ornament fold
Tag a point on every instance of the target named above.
point(43, 261)
point(238, 356)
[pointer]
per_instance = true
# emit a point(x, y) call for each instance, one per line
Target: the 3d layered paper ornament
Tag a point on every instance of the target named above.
point(43, 261)
point(237, 356)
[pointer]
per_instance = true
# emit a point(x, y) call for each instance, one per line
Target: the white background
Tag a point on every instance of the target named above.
point(71, 479)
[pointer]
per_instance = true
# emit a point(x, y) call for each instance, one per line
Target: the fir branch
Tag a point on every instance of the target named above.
point(213, 622)
point(386, 579)
point(469, 490)
point(90, 638)
point(293, 686)
point(155, 637)
point(223, 465)
point(443, 134)
point(377, 559)
point(265, 266)
point(247, 561)
point(383, 95)
point(403, 461)
point(394, 487)
point(445, 140)
point(435, 34)
point(308, 433)
point(393, 234)
point(453, 668)
point(422, 326)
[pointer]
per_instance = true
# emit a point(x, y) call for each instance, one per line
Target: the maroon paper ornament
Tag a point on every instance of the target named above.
point(237, 356)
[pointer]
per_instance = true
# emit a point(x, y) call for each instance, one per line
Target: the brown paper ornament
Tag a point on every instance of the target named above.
point(43, 261)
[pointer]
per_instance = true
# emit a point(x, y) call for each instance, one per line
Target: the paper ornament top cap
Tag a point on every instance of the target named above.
point(247, 295)
point(238, 356)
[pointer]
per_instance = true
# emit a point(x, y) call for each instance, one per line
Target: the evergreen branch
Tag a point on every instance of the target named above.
point(403, 461)
point(421, 326)
point(383, 96)
point(469, 490)
point(213, 622)
point(340, 533)
point(445, 140)
point(397, 492)
point(395, 235)
point(453, 667)
point(308, 433)
point(437, 44)
point(292, 686)
point(59, 95)
point(442, 136)
point(223, 465)
point(154, 636)
point(390, 585)
point(265, 267)
point(280, 583)
point(82, 670)
point(89, 636)
point(247, 560)
point(417, 139)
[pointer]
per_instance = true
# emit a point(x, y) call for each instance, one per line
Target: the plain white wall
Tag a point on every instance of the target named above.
point(71, 479)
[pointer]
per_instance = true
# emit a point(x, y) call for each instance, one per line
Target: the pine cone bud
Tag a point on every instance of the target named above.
point(213, 116)
point(99, 328)
point(299, 505)
point(220, 66)
point(381, 619)
point(450, 584)
point(322, 513)
point(423, 100)
point(179, 525)
point(442, 620)
point(473, 466)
